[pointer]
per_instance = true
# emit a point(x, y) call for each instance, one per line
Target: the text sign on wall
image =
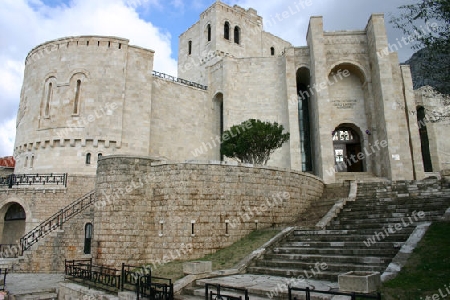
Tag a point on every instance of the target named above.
point(344, 104)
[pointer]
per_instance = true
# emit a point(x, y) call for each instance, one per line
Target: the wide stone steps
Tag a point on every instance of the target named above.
point(338, 266)
point(297, 252)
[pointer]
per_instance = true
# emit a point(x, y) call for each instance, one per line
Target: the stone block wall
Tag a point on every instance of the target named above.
point(154, 212)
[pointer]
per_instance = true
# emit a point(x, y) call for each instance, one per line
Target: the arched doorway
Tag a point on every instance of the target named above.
point(347, 150)
point(14, 224)
point(87, 238)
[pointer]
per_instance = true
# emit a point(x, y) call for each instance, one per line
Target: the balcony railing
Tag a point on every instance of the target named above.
point(34, 179)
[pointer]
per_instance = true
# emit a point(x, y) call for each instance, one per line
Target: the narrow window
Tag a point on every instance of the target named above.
point(25, 164)
point(192, 228)
point(87, 238)
point(272, 51)
point(99, 155)
point(424, 141)
point(120, 45)
point(88, 159)
point(226, 227)
point(109, 44)
point(237, 33)
point(226, 31)
point(209, 32)
point(32, 161)
point(190, 47)
point(49, 98)
point(87, 43)
point(77, 98)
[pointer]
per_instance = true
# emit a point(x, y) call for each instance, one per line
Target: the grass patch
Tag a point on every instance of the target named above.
point(222, 259)
point(428, 269)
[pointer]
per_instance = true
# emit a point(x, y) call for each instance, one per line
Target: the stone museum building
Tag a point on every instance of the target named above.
point(144, 147)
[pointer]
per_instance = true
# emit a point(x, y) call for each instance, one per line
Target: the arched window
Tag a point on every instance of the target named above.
point(237, 35)
point(209, 32)
point(25, 164)
point(99, 155)
point(226, 31)
point(77, 97)
point(190, 47)
point(48, 99)
point(272, 51)
point(87, 238)
point(88, 158)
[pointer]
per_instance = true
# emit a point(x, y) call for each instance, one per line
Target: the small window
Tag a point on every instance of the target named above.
point(49, 98)
point(209, 32)
point(226, 31)
point(237, 35)
point(99, 155)
point(32, 161)
point(272, 51)
point(87, 238)
point(77, 98)
point(190, 47)
point(25, 164)
point(88, 159)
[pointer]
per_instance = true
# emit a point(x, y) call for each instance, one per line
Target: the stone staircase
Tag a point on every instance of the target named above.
point(365, 236)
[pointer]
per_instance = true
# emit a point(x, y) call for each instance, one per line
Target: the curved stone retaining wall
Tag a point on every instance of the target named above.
point(153, 212)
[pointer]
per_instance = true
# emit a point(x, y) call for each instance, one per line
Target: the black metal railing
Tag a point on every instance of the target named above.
point(56, 221)
point(179, 80)
point(150, 287)
point(97, 275)
point(31, 179)
point(130, 278)
point(308, 293)
point(217, 293)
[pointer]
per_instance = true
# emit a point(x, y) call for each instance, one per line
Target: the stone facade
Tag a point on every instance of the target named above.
point(93, 107)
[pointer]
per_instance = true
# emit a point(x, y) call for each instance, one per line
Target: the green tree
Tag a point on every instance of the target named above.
point(253, 141)
point(427, 25)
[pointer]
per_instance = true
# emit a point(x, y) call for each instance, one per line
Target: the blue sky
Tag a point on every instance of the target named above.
point(153, 24)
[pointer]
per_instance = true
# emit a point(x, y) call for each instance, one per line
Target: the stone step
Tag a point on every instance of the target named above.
point(332, 258)
point(366, 251)
point(351, 238)
point(392, 205)
point(35, 296)
point(339, 245)
point(407, 227)
point(378, 265)
point(324, 275)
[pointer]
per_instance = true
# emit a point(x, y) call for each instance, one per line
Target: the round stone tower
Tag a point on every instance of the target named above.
point(82, 98)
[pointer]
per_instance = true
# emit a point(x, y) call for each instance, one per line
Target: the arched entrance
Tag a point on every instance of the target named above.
point(424, 141)
point(14, 223)
point(347, 150)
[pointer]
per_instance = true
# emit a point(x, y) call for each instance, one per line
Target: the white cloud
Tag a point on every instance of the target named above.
point(26, 24)
point(7, 135)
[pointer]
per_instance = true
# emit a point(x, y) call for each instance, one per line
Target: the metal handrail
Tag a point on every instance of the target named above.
point(56, 221)
point(179, 80)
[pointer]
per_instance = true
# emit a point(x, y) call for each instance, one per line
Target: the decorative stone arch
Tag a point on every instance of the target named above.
point(353, 67)
point(8, 237)
point(348, 148)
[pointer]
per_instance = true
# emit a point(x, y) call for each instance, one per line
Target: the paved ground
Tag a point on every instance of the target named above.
point(23, 283)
